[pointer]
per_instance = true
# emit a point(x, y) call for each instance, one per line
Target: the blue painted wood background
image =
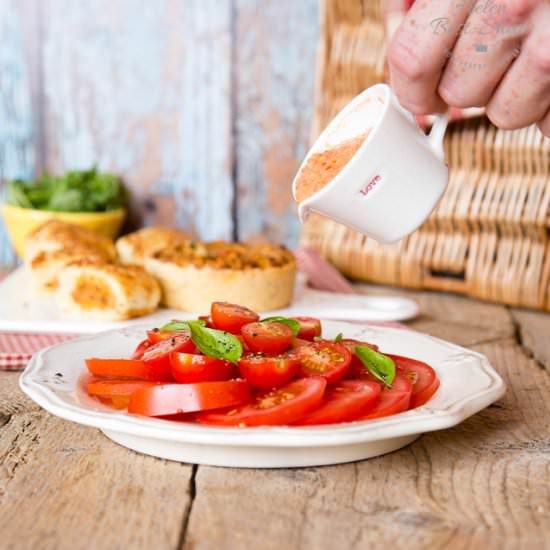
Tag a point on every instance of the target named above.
point(202, 106)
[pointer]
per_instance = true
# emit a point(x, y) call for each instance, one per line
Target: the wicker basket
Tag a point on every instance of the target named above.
point(488, 237)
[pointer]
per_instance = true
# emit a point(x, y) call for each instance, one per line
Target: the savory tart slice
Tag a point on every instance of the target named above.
point(135, 247)
point(45, 266)
point(195, 274)
point(57, 235)
point(93, 290)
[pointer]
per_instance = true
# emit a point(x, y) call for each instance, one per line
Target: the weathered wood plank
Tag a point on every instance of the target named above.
point(534, 329)
point(143, 89)
point(275, 47)
point(483, 484)
point(17, 129)
point(12, 399)
point(65, 486)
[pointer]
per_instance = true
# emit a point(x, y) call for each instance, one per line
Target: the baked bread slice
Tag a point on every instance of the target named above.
point(100, 291)
point(45, 266)
point(195, 274)
point(57, 235)
point(135, 247)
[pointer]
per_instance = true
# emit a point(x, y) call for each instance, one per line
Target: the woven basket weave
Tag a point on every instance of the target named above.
point(488, 237)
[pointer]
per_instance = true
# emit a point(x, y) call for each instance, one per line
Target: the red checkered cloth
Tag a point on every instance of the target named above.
point(16, 348)
point(394, 13)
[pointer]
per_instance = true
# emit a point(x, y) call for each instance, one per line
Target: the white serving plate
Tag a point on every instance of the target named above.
point(21, 311)
point(468, 384)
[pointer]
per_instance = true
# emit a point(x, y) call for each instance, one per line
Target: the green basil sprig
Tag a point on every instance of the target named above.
point(294, 325)
point(339, 338)
point(379, 365)
point(179, 326)
point(215, 343)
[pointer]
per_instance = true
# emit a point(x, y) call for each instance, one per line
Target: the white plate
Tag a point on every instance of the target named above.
point(468, 384)
point(20, 311)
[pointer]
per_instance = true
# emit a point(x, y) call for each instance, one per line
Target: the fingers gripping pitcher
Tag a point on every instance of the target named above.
point(373, 169)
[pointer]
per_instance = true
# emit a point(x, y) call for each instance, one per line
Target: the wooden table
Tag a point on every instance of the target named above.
point(484, 484)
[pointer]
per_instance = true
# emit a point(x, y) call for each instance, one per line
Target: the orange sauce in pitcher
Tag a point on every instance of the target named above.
point(321, 168)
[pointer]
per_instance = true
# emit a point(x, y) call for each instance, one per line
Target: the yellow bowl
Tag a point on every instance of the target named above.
point(21, 221)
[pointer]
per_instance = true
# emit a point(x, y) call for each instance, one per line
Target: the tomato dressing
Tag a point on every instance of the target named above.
point(321, 168)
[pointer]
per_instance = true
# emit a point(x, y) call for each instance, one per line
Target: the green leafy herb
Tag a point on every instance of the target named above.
point(294, 325)
point(339, 338)
point(178, 326)
point(379, 365)
point(215, 343)
point(75, 191)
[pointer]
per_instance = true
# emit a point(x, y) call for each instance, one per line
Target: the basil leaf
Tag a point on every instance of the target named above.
point(294, 325)
point(339, 338)
point(178, 326)
point(215, 343)
point(379, 365)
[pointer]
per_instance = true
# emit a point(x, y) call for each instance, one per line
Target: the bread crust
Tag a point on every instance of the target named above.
point(135, 247)
point(100, 291)
point(260, 277)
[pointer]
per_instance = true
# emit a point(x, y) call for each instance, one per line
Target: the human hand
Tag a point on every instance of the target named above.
point(475, 53)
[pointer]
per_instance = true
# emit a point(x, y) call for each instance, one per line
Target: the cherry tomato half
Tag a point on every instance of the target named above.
point(156, 335)
point(326, 359)
point(298, 343)
point(344, 402)
point(188, 368)
point(268, 372)
point(207, 320)
point(274, 408)
point(423, 378)
point(392, 400)
point(356, 369)
point(140, 349)
point(310, 327)
point(268, 337)
point(231, 317)
point(158, 355)
point(126, 368)
point(177, 399)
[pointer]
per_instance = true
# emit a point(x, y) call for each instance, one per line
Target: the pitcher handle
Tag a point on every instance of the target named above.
point(437, 133)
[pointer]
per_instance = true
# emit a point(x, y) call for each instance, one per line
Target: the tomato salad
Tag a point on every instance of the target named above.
point(232, 368)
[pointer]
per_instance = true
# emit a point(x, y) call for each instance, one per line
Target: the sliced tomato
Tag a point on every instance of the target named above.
point(188, 368)
point(423, 378)
point(274, 408)
point(177, 399)
point(231, 317)
point(121, 387)
point(392, 400)
point(344, 402)
point(326, 359)
point(158, 355)
point(268, 372)
point(140, 349)
point(268, 337)
point(126, 368)
point(310, 327)
point(116, 392)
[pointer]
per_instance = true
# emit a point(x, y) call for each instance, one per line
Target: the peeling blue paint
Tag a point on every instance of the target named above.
point(16, 121)
point(145, 89)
